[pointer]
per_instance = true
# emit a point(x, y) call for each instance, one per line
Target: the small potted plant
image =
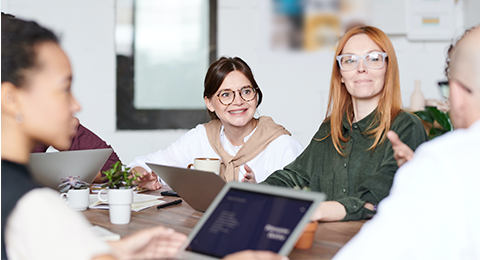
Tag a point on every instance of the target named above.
point(119, 177)
point(76, 191)
point(119, 192)
point(306, 239)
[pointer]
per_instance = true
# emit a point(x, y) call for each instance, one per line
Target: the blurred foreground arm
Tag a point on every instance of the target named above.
point(255, 255)
point(152, 243)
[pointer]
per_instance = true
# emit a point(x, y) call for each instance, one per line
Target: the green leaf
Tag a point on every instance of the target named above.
point(425, 116)
point(440, 117)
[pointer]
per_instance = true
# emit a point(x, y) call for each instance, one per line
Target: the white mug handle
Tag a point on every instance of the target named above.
point(100, 196)
point(64, 196)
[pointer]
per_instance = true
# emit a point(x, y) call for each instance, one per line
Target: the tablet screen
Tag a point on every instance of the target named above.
point(248, 220)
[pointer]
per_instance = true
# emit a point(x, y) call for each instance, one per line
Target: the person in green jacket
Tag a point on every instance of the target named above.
point(349, 158)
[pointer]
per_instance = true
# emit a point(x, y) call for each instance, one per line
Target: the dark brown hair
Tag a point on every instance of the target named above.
point(19, 39)
point(450, 49)
point(219, 70)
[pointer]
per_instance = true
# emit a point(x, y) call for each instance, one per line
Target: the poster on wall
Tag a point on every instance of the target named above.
point(430, 19)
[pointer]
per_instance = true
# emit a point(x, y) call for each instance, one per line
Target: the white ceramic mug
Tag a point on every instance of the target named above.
point(206, 164)
point(77, 199)
point(120, 205)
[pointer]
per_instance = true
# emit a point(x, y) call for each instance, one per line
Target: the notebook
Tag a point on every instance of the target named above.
point(251, 216)
point(197, 188)
point(49, 168)
point(140, 202)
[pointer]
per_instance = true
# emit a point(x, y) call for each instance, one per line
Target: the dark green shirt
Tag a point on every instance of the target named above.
point(362, 175)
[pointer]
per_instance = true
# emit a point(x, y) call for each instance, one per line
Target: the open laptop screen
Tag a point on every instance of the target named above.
point(248, 220)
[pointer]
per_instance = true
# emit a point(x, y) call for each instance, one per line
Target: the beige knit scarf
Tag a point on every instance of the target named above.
point(267, 131)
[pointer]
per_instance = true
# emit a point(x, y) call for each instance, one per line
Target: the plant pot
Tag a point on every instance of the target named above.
point(306, 239)
point(77, 199)
point(120, 205)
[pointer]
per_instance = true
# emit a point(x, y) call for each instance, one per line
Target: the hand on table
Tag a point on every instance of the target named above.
point(249, 176)
point(401, 152)
point(329, 211)
point(333, 211)
point(147, 180)
point(255, 255)
point(152, 243)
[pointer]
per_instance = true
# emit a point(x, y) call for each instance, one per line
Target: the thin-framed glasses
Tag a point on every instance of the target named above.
point(227, 96)
point(444, 87)
point(373, 60)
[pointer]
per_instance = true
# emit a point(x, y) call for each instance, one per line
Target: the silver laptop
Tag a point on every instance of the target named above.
point(49, 168)
point(197, 188)
point(251, 216)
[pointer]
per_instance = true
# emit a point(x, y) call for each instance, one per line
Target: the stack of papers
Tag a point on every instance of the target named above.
point(97, 187)
point(140, 201)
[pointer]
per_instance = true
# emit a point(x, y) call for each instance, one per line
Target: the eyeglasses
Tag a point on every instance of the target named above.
point(373, 60)
point(227, 96)
point(444, 87)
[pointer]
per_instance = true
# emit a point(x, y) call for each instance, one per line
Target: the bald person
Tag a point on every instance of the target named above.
point(432, 211)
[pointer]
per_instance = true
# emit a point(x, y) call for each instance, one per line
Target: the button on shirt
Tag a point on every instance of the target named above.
point(361, 175)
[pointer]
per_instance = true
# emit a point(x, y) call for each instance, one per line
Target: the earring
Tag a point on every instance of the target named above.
point(19, 118)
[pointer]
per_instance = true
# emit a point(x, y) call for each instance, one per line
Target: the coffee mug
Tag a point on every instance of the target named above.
point(77, 199)
point(206, 164)
point(119, 204)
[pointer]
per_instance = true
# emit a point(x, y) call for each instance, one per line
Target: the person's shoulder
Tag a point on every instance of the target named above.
point(406, 119)
point(40, 198)
point(459, 138)
point(404, 116)
point(199, 130)
point(323, 130)
point(286, 141)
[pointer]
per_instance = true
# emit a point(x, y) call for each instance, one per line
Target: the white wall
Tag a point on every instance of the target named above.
point(295, 87)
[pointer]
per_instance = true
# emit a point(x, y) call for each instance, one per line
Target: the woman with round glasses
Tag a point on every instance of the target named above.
point(349, 157)
point(242, 142)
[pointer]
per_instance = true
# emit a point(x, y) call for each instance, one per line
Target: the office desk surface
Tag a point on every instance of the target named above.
point(329, 237)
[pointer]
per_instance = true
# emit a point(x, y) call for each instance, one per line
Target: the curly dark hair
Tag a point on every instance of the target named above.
point(450, 49)
point(19, 39)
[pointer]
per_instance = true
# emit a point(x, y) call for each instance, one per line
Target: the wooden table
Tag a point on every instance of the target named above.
point(329, 238)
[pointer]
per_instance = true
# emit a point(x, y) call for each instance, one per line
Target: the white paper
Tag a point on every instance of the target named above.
point(140, 201)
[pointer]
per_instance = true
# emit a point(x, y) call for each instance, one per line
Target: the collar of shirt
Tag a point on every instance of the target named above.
point(228, 146)
point(362, 125)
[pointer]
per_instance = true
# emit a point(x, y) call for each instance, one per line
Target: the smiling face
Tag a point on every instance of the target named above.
point(363, 83)
point(47, 104)
point(239, 113)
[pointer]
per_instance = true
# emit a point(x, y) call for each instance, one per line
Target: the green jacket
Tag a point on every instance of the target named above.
point(362, 175)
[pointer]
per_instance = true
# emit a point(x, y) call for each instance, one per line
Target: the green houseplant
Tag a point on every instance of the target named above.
point(119, 192)
point(438, 121)
point(118, 176)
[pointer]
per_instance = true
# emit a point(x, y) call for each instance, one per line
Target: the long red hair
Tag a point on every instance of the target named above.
point(340, 101)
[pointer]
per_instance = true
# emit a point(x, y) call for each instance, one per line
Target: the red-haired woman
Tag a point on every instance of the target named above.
point(349, 157)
